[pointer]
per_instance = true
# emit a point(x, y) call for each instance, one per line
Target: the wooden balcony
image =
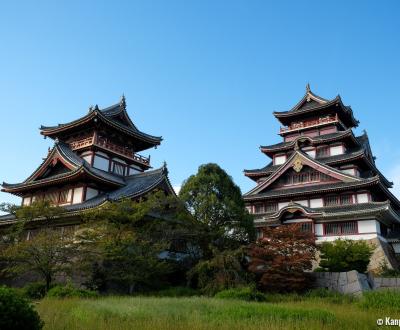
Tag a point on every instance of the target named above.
point(310, 123)
point(107, 145)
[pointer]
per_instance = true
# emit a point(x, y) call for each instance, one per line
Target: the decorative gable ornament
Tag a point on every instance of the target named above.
point(297, 164)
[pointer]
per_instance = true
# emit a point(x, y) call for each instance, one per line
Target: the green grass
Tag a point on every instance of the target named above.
point(207, 313)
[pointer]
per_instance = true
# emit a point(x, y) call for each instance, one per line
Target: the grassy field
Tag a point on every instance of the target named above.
point(209, 313)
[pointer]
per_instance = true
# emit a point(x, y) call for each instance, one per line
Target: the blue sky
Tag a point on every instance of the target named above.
point(206, 75)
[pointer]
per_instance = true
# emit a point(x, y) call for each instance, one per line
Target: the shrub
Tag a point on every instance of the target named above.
point(16, 312)
point(345, 255)
point(243, 293)
point(179, 291)
point(69, 291)
point(382, 299)
point(36, 290)
point(385, 271)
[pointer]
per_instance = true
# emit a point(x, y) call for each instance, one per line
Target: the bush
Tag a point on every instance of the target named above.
point(345, 255)
point(16, 312)
point(382, 299)
point(179, 291)
point(244, 293)
point(36, 290)
point(69, 291)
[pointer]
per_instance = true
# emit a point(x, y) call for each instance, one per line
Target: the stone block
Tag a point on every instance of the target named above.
point(352, 276)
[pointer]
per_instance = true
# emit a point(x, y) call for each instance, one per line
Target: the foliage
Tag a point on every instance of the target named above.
point(279, 260)
point(35, 290)
point(177, 291)
point(385, 271)
point(48, 252)
point(216, 202)
point(223, 271)
point(123, 241)
point(16, 312)
point(332, 296)
point(69, 291)
point(345, 255)
point(242, 293)
point(382, 299)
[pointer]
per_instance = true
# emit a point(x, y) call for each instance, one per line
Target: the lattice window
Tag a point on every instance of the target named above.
point(271, 207)
point(307, 227)
point(259, 208)
point(118, 168)
point(332, 200)
point(346, 199)
point(341, 228)
point(322, 152)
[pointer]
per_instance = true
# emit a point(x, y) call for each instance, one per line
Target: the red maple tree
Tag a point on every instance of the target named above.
point(280, 260)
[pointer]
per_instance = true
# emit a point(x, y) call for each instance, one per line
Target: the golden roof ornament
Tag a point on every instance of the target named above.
point(297, 164)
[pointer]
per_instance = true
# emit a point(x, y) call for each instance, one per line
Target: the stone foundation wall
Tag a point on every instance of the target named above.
point(353, 282)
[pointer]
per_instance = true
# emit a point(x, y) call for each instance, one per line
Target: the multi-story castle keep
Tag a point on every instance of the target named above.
point(325, 177)
point(94, 160)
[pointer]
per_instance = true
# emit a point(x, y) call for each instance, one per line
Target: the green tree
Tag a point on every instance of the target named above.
point(345, 255)
point(49, 250)
point(125, 240)
point(216, 202)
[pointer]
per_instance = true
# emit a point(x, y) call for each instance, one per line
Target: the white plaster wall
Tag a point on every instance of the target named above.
point(319, 229)
point(90, 193)
point(367, 226)
point(349, 171)
point(396, 247)
point(302, 202)
point(278, 160)
point(88, 158)
point(282, 205)
point(77, 195)
point(119, 160)
point(316, 202)
point(352, 237)
point(311, 153)
point(101, 163)
point(336, 150)
point(362, 198)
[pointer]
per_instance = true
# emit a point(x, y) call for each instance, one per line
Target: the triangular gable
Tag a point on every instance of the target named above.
point(54, 164)
point(309, 100)
point(297, 161)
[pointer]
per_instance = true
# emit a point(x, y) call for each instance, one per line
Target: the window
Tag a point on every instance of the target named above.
point(271, 207)
point(331, 200)
point(341, 228)
point(52, 197)
point(64, 196)
point(346, 199)
point(118, 168)
point(259, 208)
point(323, 151)
point(307, 227)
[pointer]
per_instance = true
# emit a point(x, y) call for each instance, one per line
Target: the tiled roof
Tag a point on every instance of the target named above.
point(311, 189)
point(107, 115)
point(315, 140)
point(136, 185)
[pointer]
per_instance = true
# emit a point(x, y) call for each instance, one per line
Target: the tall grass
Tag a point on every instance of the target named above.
point(382, 299)
point(121, 313)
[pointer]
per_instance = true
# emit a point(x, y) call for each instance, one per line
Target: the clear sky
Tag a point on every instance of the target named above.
point(206, 75)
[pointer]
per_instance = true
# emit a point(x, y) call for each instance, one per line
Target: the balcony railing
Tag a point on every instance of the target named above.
point(105, 144)
point(310, 123)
